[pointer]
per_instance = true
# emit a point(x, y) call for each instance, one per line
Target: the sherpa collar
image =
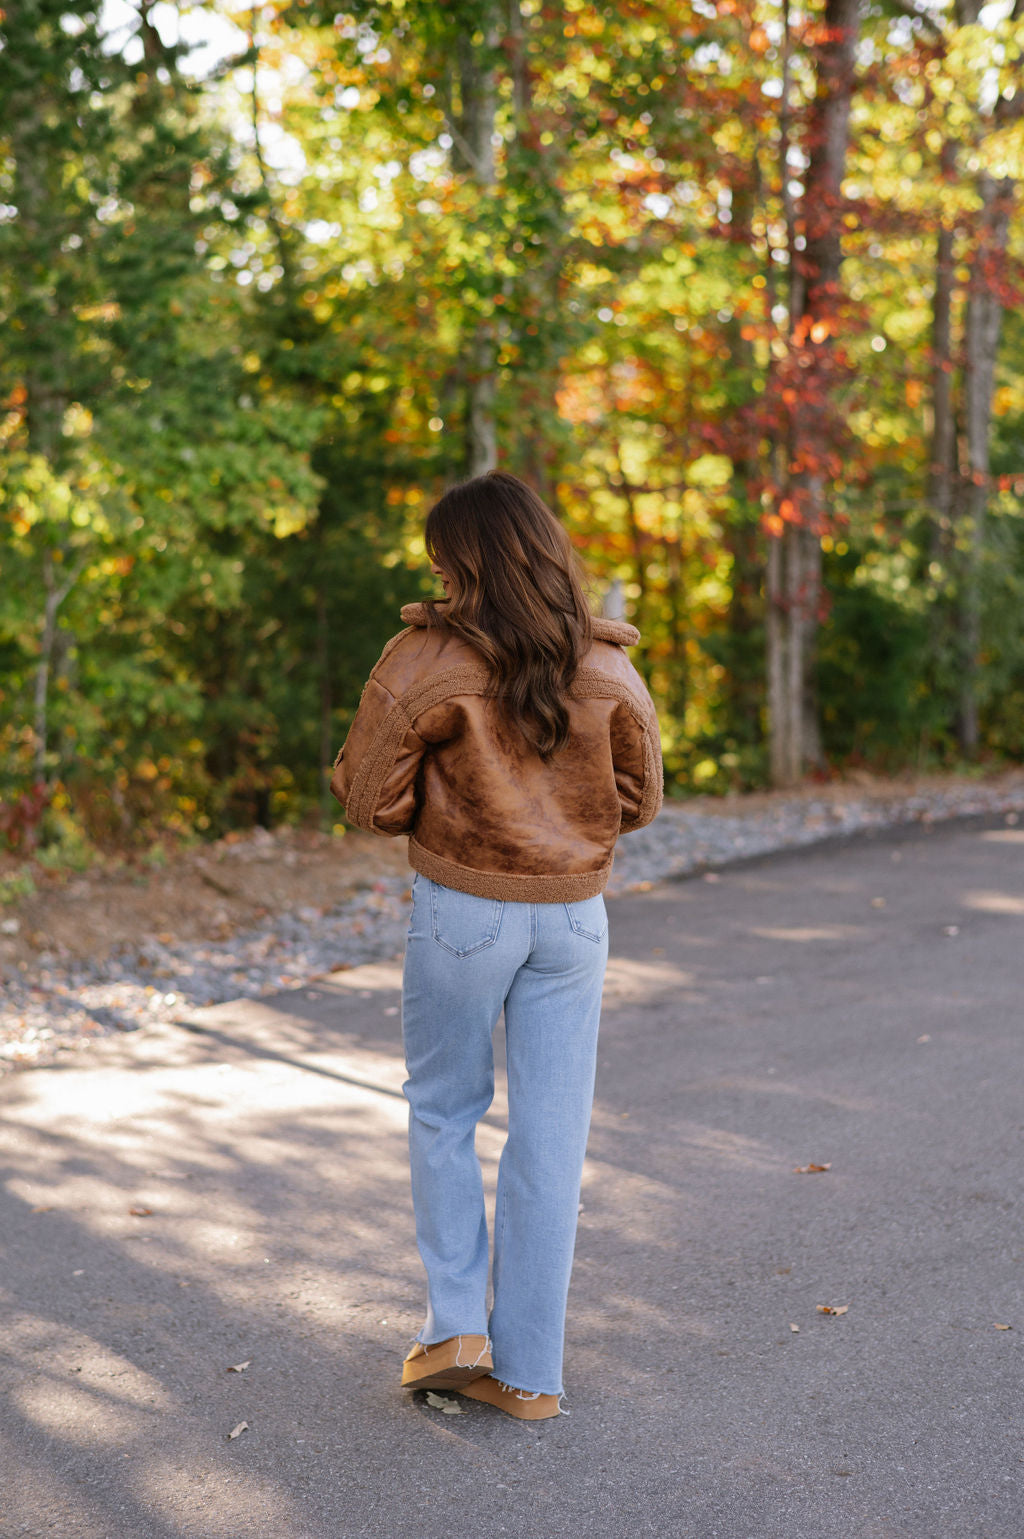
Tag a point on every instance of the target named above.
point(617, 631)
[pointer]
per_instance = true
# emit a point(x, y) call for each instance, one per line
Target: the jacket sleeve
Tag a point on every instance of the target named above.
point(636, 759)
point(375, 774)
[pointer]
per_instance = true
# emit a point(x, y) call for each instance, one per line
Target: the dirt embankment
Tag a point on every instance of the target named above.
point(201, 893)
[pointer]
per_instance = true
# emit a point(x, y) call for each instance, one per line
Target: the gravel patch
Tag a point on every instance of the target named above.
point(681, 841)
point(62, 1004)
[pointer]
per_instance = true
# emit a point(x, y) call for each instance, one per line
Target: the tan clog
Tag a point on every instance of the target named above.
point(516, 1402)
point(450, 1364)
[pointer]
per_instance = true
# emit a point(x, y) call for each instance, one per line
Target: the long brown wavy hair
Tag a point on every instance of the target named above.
point(516, 593)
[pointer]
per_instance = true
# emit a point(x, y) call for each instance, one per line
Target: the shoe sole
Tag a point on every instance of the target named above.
point(520, 1410)
point(449, 1378)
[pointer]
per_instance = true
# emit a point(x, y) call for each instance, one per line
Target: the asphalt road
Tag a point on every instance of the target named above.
point(859, 1007)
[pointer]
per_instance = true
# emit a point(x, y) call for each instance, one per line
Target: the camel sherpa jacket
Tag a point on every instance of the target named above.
point(429, 754)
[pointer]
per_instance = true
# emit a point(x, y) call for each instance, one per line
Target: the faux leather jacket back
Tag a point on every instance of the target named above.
point(431, 755)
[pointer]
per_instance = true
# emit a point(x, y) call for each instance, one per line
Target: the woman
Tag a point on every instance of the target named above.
point(507, 733)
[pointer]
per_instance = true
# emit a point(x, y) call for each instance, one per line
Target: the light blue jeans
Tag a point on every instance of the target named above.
point(467, 958)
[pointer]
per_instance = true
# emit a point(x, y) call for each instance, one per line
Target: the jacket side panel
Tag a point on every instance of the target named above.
point(636, 741)
point(628, 762)
point(652, 796)
point(375, 705)
point(395, 807)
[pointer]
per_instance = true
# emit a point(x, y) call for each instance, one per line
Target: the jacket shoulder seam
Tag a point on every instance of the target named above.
point(464, 679)
point(593, 683)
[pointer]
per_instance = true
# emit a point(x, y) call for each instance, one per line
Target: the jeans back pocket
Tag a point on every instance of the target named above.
point(461, 922)
point(589, 917)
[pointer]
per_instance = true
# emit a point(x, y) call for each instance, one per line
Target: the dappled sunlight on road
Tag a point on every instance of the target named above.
point(831, 932)
point(106, 1406)
point(627, 981)
point(994, 902)
point(263, 1147)
point(272, 1223)
point(695, 1142)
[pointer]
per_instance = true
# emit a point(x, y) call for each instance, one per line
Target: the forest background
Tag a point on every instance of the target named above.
point(734, 283)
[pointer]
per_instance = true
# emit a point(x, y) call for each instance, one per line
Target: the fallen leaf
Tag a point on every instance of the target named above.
point(999, 1327)
point(42, 1210)
point(240, 1367)
point(449, 1407)
point(807, 1170)
point(140, 1212)
point(795, 1329)
point(831, 1309)
point(243, 1426)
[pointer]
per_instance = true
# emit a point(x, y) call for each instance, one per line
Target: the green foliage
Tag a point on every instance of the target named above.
point(66, 847)
point(16, 887)
point(877, 707)
point(241, 347)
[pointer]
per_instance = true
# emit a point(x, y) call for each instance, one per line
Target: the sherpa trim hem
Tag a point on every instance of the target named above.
point(510, 887)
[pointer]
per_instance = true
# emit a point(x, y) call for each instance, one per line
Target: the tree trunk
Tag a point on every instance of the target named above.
point(743, 684)
point(473, 153)
point(38, 212)
point(983, 327)
point(55, 594)
point(775, 638)
point(942, 469)
point(794, 569)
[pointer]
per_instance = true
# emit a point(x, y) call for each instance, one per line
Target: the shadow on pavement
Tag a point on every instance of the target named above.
point(856, 1008)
